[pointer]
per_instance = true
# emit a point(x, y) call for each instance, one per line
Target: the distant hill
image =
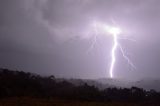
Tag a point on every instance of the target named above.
point(103, 83)
point(24, 84)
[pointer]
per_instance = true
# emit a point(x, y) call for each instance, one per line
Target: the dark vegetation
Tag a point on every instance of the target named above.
point(22, 84)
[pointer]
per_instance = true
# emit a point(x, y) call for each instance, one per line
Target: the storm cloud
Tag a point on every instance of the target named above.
point(52, 37)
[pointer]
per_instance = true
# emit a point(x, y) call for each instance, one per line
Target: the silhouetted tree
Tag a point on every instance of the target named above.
point(19, 83)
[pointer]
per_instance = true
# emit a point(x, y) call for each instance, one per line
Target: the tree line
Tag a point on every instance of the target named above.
point(20, 84)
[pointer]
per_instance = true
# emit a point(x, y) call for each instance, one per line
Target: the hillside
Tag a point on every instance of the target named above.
point(21, 84)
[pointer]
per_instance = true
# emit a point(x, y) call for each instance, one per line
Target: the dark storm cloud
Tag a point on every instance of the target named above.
point(51, 36)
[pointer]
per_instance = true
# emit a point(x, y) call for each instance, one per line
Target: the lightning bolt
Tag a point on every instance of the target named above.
point(94, 40)
point(127, 59)
point(113, 55)
point(113, 60)
point(114, 32)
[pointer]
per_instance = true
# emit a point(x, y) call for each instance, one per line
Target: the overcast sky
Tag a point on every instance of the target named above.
point(54, 36)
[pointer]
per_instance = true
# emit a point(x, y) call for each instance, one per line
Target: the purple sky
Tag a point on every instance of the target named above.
point(52, 37)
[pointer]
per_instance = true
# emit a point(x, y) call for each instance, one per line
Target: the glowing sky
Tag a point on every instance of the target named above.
point(53, 36)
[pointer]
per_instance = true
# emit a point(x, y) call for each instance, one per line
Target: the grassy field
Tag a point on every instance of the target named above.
point(25, 101)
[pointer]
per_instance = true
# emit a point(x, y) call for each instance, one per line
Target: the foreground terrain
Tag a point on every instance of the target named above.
point(18, 88)
point(26, 101)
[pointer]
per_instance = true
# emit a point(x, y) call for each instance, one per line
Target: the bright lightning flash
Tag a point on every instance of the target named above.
point(115, 32)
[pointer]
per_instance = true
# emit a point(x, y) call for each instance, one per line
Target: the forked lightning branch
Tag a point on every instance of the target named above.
point(115, 33)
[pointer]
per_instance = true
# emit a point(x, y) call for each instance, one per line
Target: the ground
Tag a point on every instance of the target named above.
point(26, 101)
